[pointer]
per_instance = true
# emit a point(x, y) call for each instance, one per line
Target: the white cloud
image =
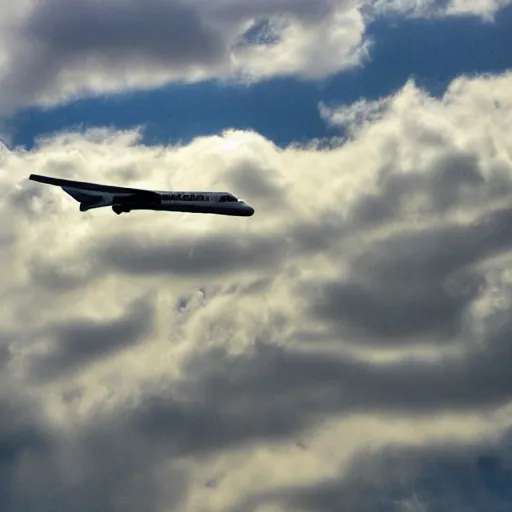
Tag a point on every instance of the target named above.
point(485, 9)
point(200, 362)
point(351, 117)
point(57, 50)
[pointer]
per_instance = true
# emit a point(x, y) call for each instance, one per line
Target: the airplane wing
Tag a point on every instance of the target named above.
point(83, 185)
point(94, 195)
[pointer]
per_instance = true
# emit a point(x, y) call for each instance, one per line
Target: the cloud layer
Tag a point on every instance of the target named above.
point(359, 321)
point(57, 50)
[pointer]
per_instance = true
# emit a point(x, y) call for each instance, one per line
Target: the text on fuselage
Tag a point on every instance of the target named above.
point(185, 197)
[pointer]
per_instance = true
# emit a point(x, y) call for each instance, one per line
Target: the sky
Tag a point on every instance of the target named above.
point(347, 347)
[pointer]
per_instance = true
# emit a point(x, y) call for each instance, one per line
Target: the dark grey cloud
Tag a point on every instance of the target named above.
point(113, 473)
point(97, 464)
point(111, 38)
point(195, 426)
point(102, 464)
point(274, 392)
point(168, 32)
point(92, 468)
point(24, 199)
point(61, 277)
point(23, 435)
point(211, 255)
point(223, 402)
point(251, 180)
point(326, 232)
point(264, 9)
point(78, 342)
point(414, 285)
point(5, 350)
point(218, 404)
point(454, 178)
point(469, 477)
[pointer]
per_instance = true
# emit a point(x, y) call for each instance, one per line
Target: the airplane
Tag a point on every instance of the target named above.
point(124, 199)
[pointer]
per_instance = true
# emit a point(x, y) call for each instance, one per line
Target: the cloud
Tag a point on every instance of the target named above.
point(467, 476)
point(414, 284)
point(194, 361)
point(56, 51)
point(485, 9)
point(80, 341)
point(212, 255)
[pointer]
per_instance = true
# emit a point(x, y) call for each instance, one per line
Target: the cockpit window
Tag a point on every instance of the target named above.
point(228, 199)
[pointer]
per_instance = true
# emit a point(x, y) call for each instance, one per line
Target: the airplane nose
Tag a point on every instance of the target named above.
point(250, 210)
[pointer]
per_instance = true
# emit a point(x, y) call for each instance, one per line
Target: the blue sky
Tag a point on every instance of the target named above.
point(285, 110)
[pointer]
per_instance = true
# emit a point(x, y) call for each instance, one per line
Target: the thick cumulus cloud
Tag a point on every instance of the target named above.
point(58, 50)
point(359, 321)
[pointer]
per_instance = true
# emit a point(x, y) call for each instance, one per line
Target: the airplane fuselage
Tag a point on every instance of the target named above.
point(218, 203)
